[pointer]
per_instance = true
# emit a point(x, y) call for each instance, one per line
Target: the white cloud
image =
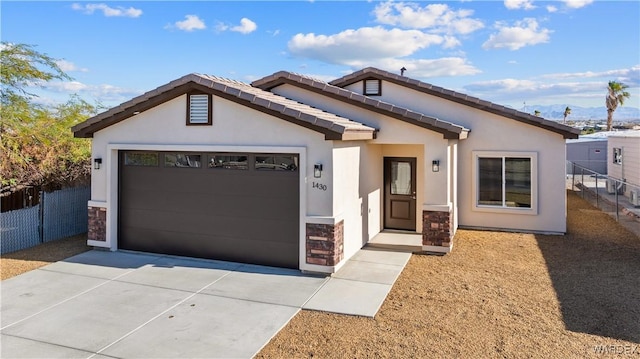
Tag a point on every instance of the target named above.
point(68, 66)
point(450, 42)
point(107, 10)
point(190, 23)
point(576, 4)
point(551, 8)
point(66, 86)
point(519, 4)
point(246, 27)
point(517, 91)
point(427, 68)
point(420, 68)
point(579, 88)
point(630, 76)
point(368, 43)
point(524, 33)
point(436, 17)
point(103, 93)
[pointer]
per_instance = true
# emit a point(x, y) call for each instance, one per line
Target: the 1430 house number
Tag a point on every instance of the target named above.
point(320, 186)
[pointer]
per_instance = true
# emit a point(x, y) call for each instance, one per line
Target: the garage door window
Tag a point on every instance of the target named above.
point(277, 162)
point(182, 160)
point(149, 159)
point(233, 162)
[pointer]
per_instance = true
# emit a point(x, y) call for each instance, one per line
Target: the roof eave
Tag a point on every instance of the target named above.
point(448, 131)
point(369, 72)
point(195, 83)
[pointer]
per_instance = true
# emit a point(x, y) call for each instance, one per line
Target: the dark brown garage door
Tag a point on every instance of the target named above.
point(229, 206)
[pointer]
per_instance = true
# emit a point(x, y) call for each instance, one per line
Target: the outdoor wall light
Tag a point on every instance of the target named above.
point(435, 166)
point(97, 162)
point(317, 170)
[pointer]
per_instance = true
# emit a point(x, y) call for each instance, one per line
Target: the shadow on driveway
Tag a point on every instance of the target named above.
point(595, 271)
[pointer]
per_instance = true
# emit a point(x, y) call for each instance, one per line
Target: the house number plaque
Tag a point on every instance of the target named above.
point(320, 186)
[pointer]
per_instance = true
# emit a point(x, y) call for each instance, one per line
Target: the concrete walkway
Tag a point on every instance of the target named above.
point(129, 305)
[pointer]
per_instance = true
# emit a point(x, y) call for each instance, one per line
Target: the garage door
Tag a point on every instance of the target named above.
point(239, 207)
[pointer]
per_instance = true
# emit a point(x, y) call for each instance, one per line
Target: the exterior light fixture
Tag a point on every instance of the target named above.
point(435, 166)
point(317, 170)
point(97, 162)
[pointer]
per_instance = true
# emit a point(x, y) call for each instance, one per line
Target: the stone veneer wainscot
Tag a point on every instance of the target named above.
point(437, 229)
point(325, 243)
point(97, 230)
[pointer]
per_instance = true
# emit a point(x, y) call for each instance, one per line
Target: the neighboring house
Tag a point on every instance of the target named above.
point(587, 152)
point(295, 172)
point(624, 163)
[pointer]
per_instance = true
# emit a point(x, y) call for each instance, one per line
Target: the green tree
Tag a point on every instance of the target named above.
point(36, 144)
point(536, 113)
point(567, 112)
point(22, 66)
point(616, 94)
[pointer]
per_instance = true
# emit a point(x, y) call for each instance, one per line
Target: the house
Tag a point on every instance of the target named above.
point(624, 163)
point(295, 172)
point(588, 152)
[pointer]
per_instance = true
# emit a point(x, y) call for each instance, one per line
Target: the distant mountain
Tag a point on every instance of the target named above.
point(555, 112)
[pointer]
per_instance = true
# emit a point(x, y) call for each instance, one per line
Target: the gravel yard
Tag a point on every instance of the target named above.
point(12, 264)
point(497, 295)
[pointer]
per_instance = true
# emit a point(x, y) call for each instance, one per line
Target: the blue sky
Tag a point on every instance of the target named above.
point(511, 52)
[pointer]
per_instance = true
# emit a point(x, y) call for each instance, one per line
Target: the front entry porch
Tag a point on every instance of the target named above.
point(400, 241)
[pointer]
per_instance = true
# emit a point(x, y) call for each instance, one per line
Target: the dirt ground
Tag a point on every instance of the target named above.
point(12, 264)
point(497, 295)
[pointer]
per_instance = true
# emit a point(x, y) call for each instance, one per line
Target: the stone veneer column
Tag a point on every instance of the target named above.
point(97, 224)
point(437, 231)
point(325, 243)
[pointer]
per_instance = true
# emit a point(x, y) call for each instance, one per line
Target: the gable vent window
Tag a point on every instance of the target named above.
point(372, 87)
point(199, 109)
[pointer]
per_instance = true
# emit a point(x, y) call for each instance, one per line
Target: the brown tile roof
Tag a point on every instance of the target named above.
point(447, 129)
point(371, 72)
point(334, 127)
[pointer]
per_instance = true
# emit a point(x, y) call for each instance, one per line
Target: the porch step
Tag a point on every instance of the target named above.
point(397, 241)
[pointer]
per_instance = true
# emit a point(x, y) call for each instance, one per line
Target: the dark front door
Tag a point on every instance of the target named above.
point(400, 193)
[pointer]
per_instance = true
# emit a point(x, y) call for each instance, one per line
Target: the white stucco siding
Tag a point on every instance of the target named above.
point(391, 132)
point(347, 199)
point(491, 132)
point(629, 169)
point(235, 128)
point(372, 189)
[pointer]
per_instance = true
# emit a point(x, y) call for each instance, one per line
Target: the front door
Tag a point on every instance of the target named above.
point(400, 193)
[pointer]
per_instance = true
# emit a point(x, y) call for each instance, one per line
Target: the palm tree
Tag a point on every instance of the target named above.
point(616, 95)
point(567, 112)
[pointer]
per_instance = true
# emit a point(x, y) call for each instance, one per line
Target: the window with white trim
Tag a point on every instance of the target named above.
point(505, 181)
point(198, 109)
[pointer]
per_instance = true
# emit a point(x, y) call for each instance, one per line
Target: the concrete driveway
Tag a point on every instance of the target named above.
point(128, 305)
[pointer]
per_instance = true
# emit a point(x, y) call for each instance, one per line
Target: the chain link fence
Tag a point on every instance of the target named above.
point(616, 197)
point(58, 214)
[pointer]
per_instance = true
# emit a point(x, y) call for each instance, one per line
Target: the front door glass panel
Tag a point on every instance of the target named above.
point(401, 178)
